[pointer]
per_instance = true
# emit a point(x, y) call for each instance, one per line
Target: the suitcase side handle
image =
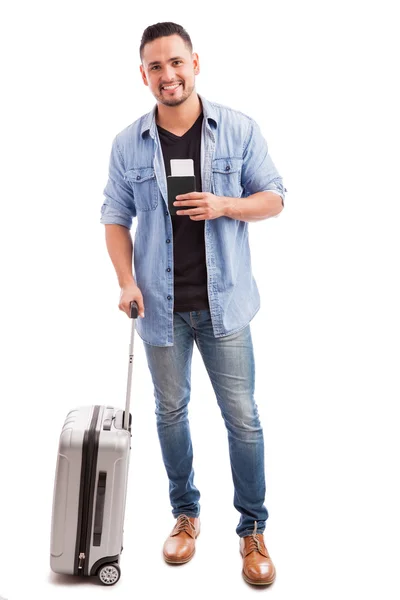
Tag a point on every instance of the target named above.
point(99, 510)
point(134, 312)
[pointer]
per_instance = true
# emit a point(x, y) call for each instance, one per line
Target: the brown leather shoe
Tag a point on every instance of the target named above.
point(179, 547)
point(258, 568)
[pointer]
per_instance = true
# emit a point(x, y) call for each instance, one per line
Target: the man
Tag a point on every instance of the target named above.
point(193, 280)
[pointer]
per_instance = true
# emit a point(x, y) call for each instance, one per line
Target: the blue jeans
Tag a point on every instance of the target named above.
point(230, 365)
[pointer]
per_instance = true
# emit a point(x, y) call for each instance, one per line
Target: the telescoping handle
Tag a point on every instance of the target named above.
point(134, 311)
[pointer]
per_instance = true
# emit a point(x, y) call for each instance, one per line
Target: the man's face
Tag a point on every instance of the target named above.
point(168, 62)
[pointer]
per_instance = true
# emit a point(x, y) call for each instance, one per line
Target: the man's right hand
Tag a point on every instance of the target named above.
point(128, 294)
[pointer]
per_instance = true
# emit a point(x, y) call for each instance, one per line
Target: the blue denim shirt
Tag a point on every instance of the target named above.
point(234, 162)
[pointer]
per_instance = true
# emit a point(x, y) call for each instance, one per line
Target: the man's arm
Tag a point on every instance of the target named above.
point(120, 248)
point(117, 213)
point(264, 192)
point(119, 205)
point(256, 207)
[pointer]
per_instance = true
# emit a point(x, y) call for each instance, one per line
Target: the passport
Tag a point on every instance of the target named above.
point(176, 185)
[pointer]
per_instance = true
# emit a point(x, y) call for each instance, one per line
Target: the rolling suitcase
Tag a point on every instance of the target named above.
point(90, 487)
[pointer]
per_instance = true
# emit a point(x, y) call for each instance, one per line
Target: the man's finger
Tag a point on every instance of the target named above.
point(186, 202)
point(190, 211)
point(189, 196)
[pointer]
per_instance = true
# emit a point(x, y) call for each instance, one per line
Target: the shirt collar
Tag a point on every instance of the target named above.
point(149, 120)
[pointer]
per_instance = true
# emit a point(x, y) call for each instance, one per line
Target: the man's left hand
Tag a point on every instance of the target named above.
point(206, 205)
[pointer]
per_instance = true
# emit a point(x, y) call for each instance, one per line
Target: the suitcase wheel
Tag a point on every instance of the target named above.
point(109, 574)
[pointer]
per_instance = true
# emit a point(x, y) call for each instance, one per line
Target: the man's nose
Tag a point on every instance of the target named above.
point(169, 73)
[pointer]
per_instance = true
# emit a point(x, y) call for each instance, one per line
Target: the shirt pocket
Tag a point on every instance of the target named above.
point(144, 186)
point(226, 177)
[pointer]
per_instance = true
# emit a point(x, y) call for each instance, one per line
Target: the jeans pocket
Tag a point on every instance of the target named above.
point(144, 186)
point(226, 177)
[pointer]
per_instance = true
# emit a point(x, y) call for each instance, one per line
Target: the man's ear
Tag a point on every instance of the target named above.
point(197, 66)
point(143, 75)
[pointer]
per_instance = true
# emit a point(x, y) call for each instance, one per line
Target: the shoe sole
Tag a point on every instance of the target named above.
point(252, 582)
point(184, 560)
point(179, 562)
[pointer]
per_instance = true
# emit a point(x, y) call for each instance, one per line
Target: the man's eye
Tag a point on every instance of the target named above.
point(156, 66)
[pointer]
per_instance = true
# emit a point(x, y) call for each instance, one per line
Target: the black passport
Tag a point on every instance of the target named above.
point(176, 185)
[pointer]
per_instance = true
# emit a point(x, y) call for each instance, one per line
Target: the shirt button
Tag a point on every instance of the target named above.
point(169, 297)
point(227, 168)
point(168, 241)
point(168, 269)
point(138, 177)
point(167, 213)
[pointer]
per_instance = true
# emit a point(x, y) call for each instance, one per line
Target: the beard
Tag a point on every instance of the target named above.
point(175, 101)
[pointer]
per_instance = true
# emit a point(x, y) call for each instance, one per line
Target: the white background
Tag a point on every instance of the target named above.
point(321, 80)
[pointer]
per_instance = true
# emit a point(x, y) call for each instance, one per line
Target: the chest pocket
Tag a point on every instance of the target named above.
point(144, 186)
point(226, 176)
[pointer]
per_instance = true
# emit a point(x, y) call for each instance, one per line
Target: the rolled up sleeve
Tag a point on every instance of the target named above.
point(259, 173)
point(118, 207)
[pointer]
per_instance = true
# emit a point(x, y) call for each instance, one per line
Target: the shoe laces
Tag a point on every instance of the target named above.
point(184, 524)
point(254, 543)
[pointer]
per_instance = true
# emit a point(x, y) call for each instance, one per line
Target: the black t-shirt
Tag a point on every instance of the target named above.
point(190, 272)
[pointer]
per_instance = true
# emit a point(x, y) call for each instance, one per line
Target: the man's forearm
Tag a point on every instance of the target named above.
point(256, 207)
point(119, 246)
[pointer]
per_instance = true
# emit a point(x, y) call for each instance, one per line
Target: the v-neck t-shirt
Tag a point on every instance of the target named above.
point(190, 272)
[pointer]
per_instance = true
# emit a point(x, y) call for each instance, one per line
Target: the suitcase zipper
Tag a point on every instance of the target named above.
point(88, 473)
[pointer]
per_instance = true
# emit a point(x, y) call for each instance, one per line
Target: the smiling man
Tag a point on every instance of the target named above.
point(192, 276)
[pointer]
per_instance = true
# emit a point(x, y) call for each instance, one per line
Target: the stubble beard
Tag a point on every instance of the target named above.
point(186, 92)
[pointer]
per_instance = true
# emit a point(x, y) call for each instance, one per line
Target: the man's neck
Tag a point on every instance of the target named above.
point(179, 118)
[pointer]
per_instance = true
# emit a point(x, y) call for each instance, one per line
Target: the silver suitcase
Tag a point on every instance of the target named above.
point(90, 488)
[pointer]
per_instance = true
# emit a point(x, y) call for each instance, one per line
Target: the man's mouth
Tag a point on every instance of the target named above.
point(171, 88)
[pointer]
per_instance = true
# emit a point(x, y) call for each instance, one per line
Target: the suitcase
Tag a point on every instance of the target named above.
point(90, 487)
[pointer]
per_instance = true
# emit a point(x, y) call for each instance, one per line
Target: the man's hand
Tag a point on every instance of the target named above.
point(206, 205)
point(129, 293)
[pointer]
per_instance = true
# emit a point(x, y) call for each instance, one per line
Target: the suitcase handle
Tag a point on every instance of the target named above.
point(134, 312)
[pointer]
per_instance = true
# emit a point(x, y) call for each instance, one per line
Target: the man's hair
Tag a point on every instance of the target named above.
point(164, 29)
